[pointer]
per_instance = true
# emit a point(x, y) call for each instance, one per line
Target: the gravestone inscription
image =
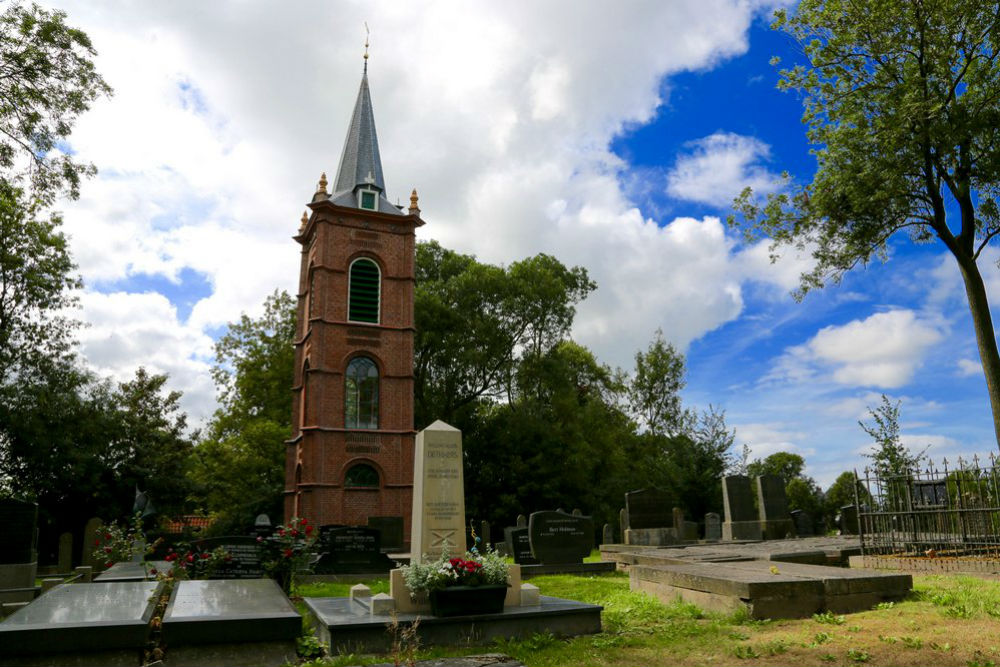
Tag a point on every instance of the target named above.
point(350, 550)
point(438, 493)
point(245, 556)
point(557, 537)
point(519, 545)
point(649, 508)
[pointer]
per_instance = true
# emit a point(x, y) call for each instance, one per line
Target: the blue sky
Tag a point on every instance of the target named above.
point(561, 127)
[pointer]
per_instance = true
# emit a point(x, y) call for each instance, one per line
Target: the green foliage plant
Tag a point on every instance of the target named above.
point(116, 543)
point(900, 100)
point(287, 551)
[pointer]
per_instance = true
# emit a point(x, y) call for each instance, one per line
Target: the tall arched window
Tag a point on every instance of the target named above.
point(361, 394)
point(361, 475)
point(363, 296)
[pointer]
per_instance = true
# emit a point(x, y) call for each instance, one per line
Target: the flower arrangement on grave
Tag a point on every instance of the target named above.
point(188, 563)
point(115, 543)
point(287, 551)
point(478, 578)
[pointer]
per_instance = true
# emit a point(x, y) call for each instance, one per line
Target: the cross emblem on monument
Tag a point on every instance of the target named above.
point(442, 538)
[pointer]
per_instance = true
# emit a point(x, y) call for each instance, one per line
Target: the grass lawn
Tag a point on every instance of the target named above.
point(947, 620)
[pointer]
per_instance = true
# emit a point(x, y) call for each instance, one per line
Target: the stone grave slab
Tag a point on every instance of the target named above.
point(391, 528)
point(349, 626)
point(557, 537)
point(245, 563)
point(351, 550)
point(649, 508)
point(519, 545)
point(217, 611)
point(111, 619)
point(131, 571)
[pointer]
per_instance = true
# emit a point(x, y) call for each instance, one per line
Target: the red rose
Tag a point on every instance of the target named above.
point(204, 556)
point(97, 542)
point(107, 550)
point(295, 533)
point(170, 557)
point(309, 530)
point(152, 570)
point(190, 558)
point(108, 564)
point(281, 531)
point(107, 536)
point(288, 553)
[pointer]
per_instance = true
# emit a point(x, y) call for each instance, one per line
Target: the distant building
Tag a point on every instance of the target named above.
point(351, 452)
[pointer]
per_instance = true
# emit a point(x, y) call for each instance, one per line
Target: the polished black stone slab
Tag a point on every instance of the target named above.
point(348, 626)
point(80, 618)
point(218, 611)
point(129, 571)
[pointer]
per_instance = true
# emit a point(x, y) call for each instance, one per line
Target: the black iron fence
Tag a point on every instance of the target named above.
point(934, 511)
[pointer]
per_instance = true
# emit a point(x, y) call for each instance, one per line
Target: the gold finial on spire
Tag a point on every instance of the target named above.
point(305, 220)
point(367, 34)
point(322, 183)
point(414, 209)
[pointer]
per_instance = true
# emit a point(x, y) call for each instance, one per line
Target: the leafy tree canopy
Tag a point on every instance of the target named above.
point(889, 456)
point(47, 79)
point(786, 465)
point(901, 102)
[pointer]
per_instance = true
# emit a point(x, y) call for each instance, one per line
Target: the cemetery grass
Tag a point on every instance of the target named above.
point(946, 620)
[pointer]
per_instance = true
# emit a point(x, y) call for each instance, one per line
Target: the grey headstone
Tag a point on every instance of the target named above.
point(677, 520)
point(18, 521)
point(65, 553)
point(577, 512)
point(623, 522)
point(350, 550)
point(737, 498)
point(557, 537)
point(771, 500)
point(245, 562)
point(262, 526)
point(713, 526)
point(607, 534)
point(391, 528)
point(649, 508)
point(522, 521)
point(803, 523)
point(90, 532)
point(484, 533)
point(518, 545)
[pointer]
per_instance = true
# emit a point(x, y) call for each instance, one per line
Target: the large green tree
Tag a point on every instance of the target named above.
point(238, 469)
point(902, 102)
point(47, 79)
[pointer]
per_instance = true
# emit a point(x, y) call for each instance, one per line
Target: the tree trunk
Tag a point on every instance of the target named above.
point(982, 322)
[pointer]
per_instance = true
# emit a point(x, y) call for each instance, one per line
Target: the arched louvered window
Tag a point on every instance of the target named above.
point(361, 475)
point(363, 300)
point(361, 394)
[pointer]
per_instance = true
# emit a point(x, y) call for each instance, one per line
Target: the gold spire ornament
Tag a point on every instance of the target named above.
point(414, 209)
point(305, 220)
point(322, 183)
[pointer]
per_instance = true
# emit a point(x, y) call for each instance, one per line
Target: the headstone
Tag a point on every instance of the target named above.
point(803, 523)
point(648, 508)
point(484, 533)
point(741, 520)
point(577, 512)
point(557, 537)
point(262, 526)
point(772, 504)
point(623, 522)
point(138, 550)
point(677, 518)
point(607, 534)
point(438, 493)
point(351, 550)
point(90, 532)
point(391, 528)
point(518, 546)
point(849, 520)
point(713, 526)
point(65, 553)
point(929, 494)
point(245, 561)
point(18, 519)
point(522, 521)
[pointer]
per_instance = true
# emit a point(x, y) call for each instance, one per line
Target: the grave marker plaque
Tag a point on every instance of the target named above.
point(649, 508)
point(519, 545)
point(350, 550)
point(557, 537)
point(245, 552)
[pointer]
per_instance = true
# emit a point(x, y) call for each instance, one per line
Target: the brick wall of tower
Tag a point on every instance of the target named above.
point(321, 449)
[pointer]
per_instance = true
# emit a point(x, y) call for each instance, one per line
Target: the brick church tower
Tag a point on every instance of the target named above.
point(351, 452)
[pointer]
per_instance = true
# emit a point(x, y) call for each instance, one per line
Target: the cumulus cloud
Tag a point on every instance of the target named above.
point(883, 350)
point(768, 438)
point(969, 367)
point(718, 167)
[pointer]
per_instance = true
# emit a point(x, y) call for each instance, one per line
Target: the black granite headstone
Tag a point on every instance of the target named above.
point(519, 546)
point(557, 537)
point(737, 498)
point(649, 508)
point(771, 498)
point(245, 562)
point(803, 523)
point(849, 520)
point(351, 550)
point(17, 528)
point(391, 528)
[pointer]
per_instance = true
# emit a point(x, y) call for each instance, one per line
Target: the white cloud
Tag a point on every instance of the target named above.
point(969, 367)
point(884, 350)
point(718, 167)
point(768, 438)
